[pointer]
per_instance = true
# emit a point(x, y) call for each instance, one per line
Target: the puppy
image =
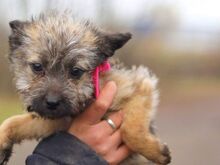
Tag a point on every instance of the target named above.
point(53, 58)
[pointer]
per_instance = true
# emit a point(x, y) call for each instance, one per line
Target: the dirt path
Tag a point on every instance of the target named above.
point(192, 131)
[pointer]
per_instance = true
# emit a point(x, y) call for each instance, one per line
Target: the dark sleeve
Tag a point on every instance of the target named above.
point(63, 149)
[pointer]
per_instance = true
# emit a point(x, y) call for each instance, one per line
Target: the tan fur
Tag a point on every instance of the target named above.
point(60, 40)
point(137, 99)
point(133, 97)
point(14, 129)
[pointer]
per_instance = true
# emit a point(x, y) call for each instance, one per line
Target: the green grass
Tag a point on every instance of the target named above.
point(9, 107)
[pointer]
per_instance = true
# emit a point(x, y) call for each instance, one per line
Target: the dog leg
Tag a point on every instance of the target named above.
point(136, 131)
point(26, 126)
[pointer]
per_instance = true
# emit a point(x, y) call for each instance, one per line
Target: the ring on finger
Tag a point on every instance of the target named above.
point(111, 123)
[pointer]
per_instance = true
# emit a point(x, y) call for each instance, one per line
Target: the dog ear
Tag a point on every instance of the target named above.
point(17, 34)
point(109, 43)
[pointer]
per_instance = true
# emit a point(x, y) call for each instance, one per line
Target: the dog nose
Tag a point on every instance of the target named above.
point(52, 102)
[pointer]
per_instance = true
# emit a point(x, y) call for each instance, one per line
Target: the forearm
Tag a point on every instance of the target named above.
point(63, 148)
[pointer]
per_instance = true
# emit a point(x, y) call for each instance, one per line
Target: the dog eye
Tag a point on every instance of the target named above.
point(37, 67)
point(76, 72)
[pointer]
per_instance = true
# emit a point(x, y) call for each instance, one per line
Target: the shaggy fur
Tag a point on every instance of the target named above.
point(67, 52)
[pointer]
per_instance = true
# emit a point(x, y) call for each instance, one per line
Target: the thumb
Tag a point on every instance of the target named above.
point(96, 111)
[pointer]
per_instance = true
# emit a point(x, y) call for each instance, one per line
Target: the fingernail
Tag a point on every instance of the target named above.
point(112, 84)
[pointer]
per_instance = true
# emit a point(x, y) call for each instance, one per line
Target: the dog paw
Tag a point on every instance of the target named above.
point(165, 157)
point(5, 152)
point(5, 155)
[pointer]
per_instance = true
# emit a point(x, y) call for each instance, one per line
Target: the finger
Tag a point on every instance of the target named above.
point(116, 118)
point(111, 144)
point(116, 139)
point(95, 112)
point(119, 155)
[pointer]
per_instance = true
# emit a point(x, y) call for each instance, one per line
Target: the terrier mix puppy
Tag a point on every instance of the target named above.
point(53, 57)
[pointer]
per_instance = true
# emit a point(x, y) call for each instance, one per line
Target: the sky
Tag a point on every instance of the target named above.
point(199, 20)
point(200, 14)
point(192, 13)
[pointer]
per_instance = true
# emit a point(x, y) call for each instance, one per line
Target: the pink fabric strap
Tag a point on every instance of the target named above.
point(105, 66)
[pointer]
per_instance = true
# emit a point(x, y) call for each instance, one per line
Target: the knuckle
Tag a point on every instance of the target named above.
point(98, 137)
point(101, 104)
point(118, 134)
point(112, 161)
point(103, 150)
point(118, 119)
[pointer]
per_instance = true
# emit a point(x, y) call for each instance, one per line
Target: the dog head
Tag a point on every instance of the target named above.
point(53, 57)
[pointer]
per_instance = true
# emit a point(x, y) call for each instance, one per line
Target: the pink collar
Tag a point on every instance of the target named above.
point(105, 66)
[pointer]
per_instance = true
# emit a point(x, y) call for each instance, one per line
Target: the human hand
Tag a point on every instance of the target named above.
point(97, 133)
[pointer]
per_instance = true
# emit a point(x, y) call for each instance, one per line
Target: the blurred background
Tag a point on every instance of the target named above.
point(178, 40)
